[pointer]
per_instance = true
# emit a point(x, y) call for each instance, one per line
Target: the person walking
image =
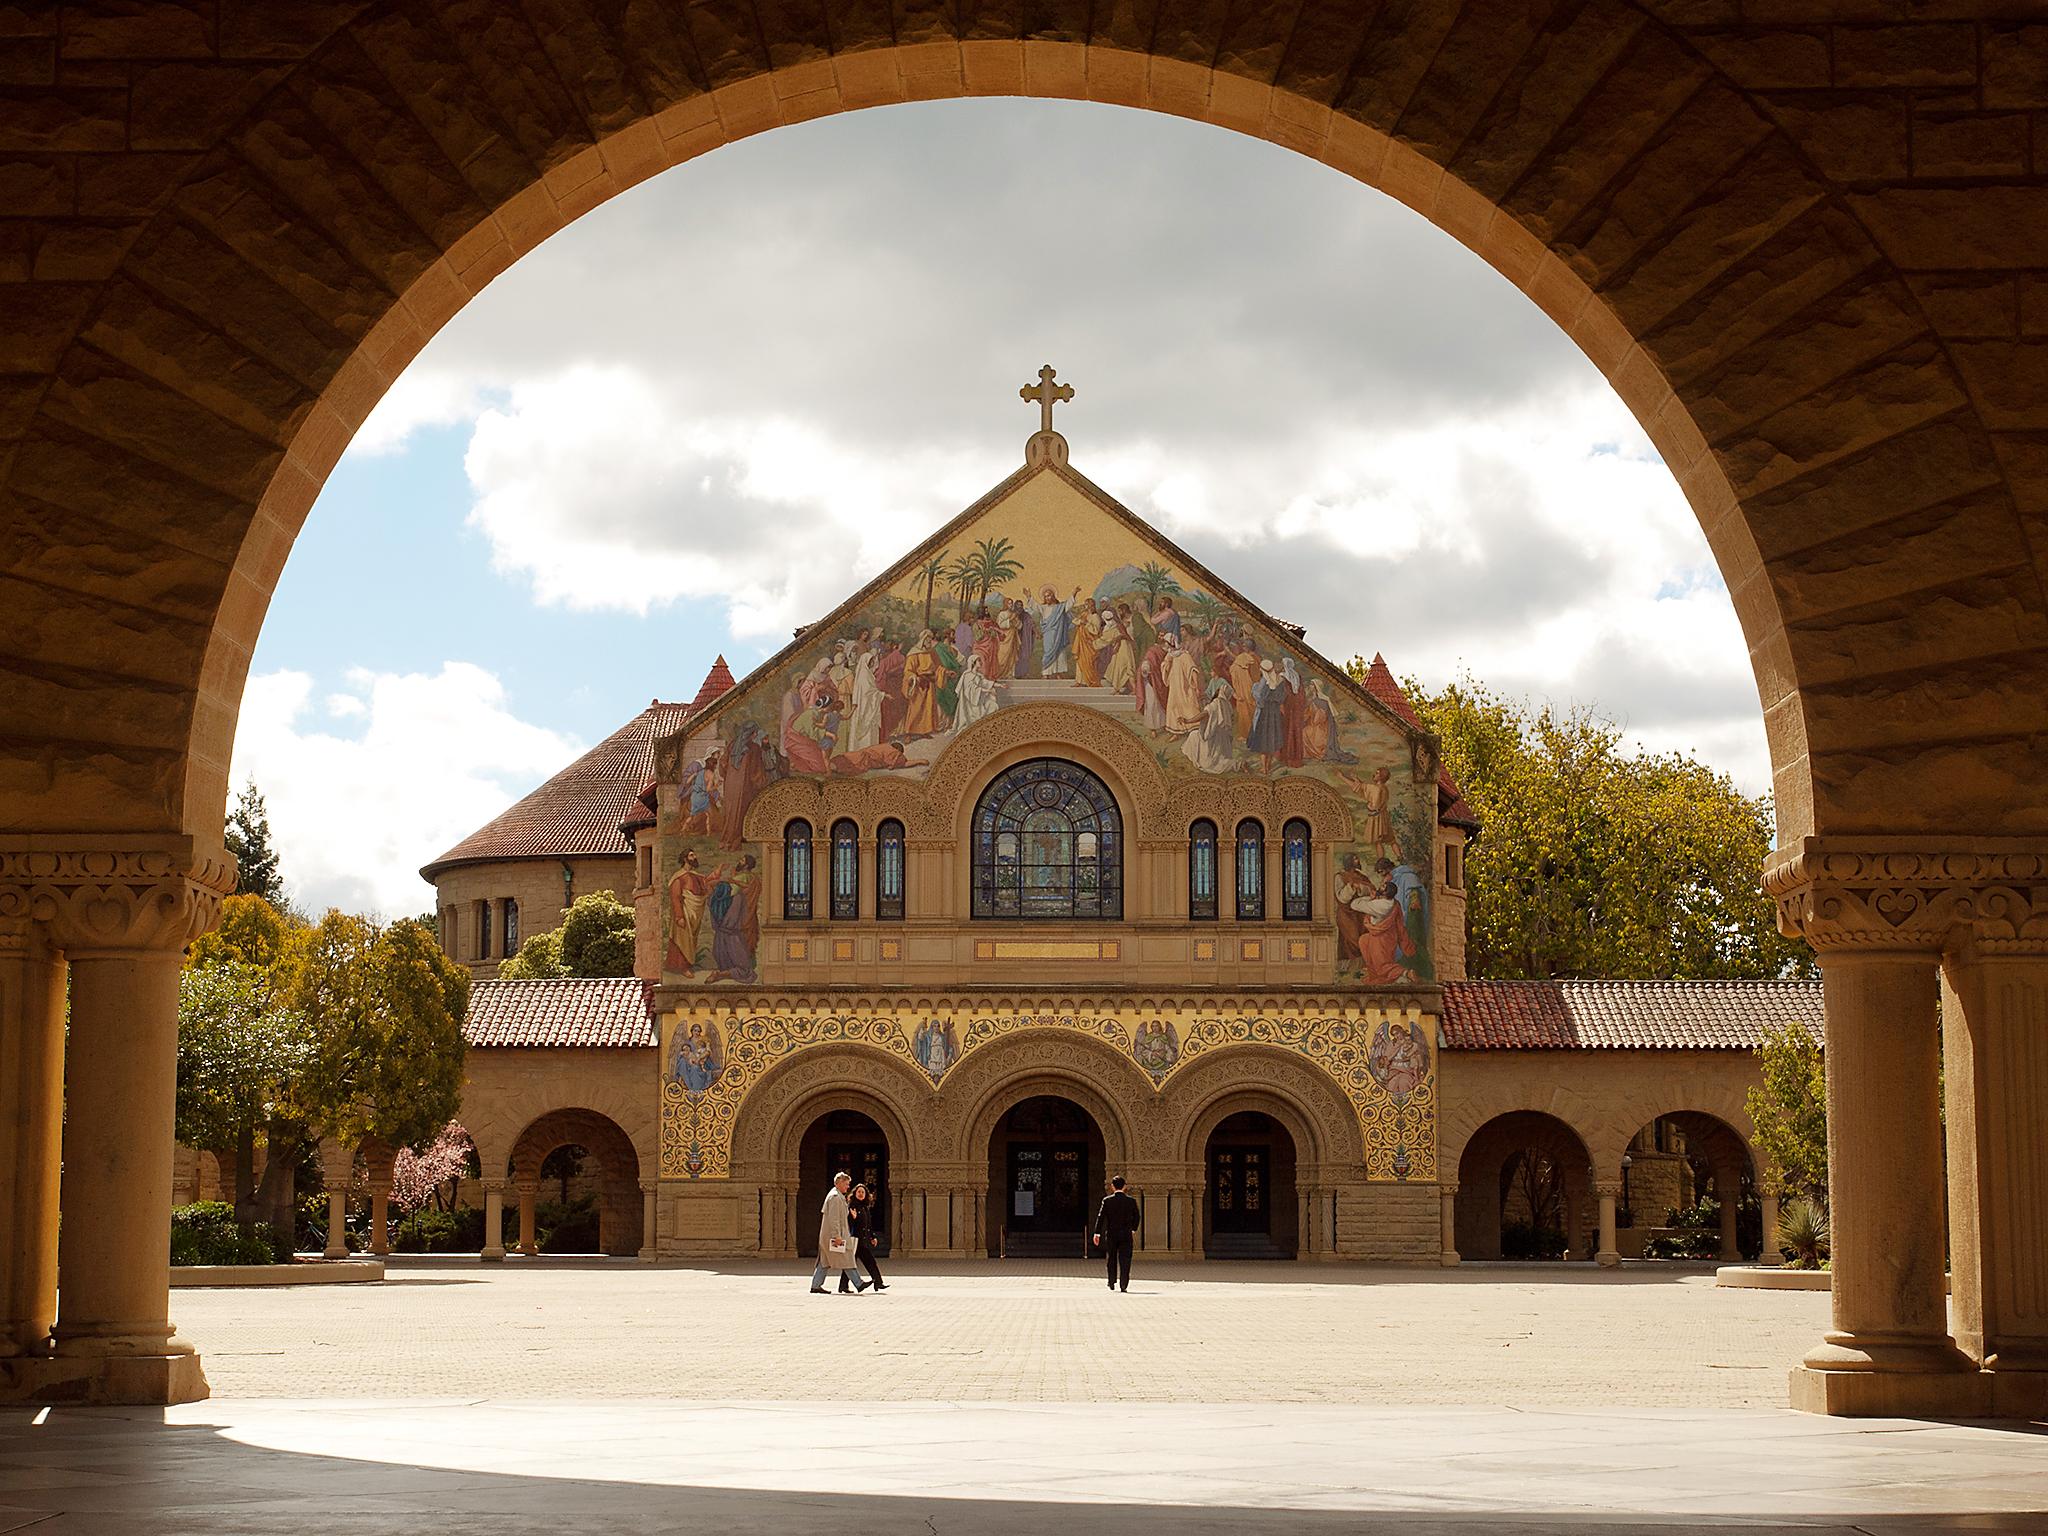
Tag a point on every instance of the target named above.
point(1115, 1223)
point(861, 1211)
point(835, 1240)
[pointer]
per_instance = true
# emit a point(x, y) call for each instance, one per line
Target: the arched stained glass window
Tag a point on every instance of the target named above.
point(1202, 869)
point(1048, 843)
point(1251, 872)
point(889, 870)
point(845, 871)
point(1294, 872)
point(796, 872)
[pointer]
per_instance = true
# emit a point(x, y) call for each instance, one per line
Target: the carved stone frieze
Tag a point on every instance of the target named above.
point(115, 895)
point(1909, 894)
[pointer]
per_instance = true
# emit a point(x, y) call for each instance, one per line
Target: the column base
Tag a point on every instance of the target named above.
point(1905, 1394)
point(1448, 1260)
point(1608, 1259)
point(492, 1255)
point(153, 1380)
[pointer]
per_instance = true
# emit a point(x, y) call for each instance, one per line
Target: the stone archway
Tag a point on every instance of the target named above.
point(1529, 1170)
point(1827, 348)
point(619, 1204)
point(1674, 1161)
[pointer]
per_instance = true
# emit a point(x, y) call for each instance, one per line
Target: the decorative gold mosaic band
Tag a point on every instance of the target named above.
point(1048, 949)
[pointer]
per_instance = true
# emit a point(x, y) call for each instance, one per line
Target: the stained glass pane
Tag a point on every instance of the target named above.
point(1202, 870)
point(1251, 872)
point(796, 872)
point(1047, 844)
point(1294, 865)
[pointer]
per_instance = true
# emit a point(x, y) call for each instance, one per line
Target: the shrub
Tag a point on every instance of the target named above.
point(1803, 1234)
point(206, 1233)
point(1520, 1240)
point(570, 1228)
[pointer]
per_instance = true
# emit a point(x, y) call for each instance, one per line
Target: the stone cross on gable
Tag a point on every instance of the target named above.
point(1047, 394)
point(1045, 445)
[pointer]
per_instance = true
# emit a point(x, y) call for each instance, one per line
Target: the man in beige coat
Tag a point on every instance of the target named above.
point(835, 1241)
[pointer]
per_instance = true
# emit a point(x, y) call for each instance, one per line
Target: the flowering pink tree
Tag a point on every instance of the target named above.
point(417, 1177)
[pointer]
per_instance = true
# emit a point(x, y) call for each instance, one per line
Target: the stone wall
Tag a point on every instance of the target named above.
point(536, 884)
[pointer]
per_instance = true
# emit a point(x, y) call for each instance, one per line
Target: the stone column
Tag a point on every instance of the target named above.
point(381, 1162)
point(1447, 1195)
point(1767, 1202)
point(31, 1122)
point(1301, 1220)
point(1728, 1195)
point(1995, 1036)
point(493, 1250)
point(1879, 914)
point(648, 1209)
point(120, 912)
point(337, 1167)
point(1608, 1256)
point(529, 1197)
point(1575, 1222)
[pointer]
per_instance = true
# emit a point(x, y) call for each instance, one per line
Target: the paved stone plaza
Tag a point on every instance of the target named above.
point(1249, 1398)
point(1022, 1331)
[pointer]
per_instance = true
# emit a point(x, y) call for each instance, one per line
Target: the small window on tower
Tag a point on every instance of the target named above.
point(511, 926)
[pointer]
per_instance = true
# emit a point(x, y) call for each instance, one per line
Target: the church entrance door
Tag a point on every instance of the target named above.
point(844, 1141)
point(1239, 1190)
point(1047, 1153)
point(1252, 1210)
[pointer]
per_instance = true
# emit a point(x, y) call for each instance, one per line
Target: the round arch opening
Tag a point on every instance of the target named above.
point(577, 1177)
point(1047, 1168)
point(1250, 1210)
point(840, 1141)
point(1689, 1191)
point(1525, 1191)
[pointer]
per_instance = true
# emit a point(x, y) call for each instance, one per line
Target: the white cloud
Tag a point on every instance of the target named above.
point(422, 396)
point(354, 816)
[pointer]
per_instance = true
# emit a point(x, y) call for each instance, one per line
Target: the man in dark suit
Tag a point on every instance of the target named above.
point(1115, 1222)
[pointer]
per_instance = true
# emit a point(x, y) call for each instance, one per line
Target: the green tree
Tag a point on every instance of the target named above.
point(241, 1048)
point(960, 578)
point(595, 939)
point(250, 932)
point(1790, 1113)
point(539, 959)
point(1595, 861)
point(1153, 580)
point(248, 839)
point(385, 1007)
point(933, 570)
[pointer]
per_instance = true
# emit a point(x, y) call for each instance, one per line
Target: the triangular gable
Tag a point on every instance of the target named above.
point(1291, 636)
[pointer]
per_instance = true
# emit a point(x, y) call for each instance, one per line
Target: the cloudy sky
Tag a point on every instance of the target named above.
point(707, 410)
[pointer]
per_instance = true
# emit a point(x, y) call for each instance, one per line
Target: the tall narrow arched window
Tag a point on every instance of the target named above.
point(1251, 872)
point(1202, 869)
point(796, 872)
point(845, 871)
point(1295, 904)
point(511, 926)
point(889, 870)
point(1048, 843)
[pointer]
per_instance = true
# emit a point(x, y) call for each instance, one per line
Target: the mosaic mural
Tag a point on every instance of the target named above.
point(1384, 1065)
point(1046, 596)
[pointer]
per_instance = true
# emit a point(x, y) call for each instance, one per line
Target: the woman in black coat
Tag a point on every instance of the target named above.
point(860, 1213)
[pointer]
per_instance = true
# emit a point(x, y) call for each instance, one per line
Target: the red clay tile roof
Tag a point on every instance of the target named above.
point(718, 680)
point(641, 812)
point(574, 1011)
point(1622, 1015)
point(580, 810)
point(1451, 804)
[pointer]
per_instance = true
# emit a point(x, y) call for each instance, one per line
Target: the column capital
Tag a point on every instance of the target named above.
point(116, 894)
point(1912, 895)
point(1449, 1187)
point(1607, 1189)
point(495, 1186)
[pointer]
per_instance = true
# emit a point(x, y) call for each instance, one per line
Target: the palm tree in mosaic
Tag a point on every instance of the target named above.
point(993, 565)
point(960, 577)
point(932, 571)
point(1205, 609)
point(1154, 579)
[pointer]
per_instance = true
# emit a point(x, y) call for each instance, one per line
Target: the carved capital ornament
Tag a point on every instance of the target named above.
point(115, 895)
point(1912, 895)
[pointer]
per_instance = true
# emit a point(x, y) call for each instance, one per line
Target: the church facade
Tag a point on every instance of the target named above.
point(1047, 856)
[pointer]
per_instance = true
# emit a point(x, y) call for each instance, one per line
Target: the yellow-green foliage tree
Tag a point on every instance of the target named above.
point(595, 939)
point(1596, 861)
point(242, 1043)
point(1790, 1113)
point(386, 1008)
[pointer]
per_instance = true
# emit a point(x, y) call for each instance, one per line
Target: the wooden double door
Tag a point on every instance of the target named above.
point(1240, 1188)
